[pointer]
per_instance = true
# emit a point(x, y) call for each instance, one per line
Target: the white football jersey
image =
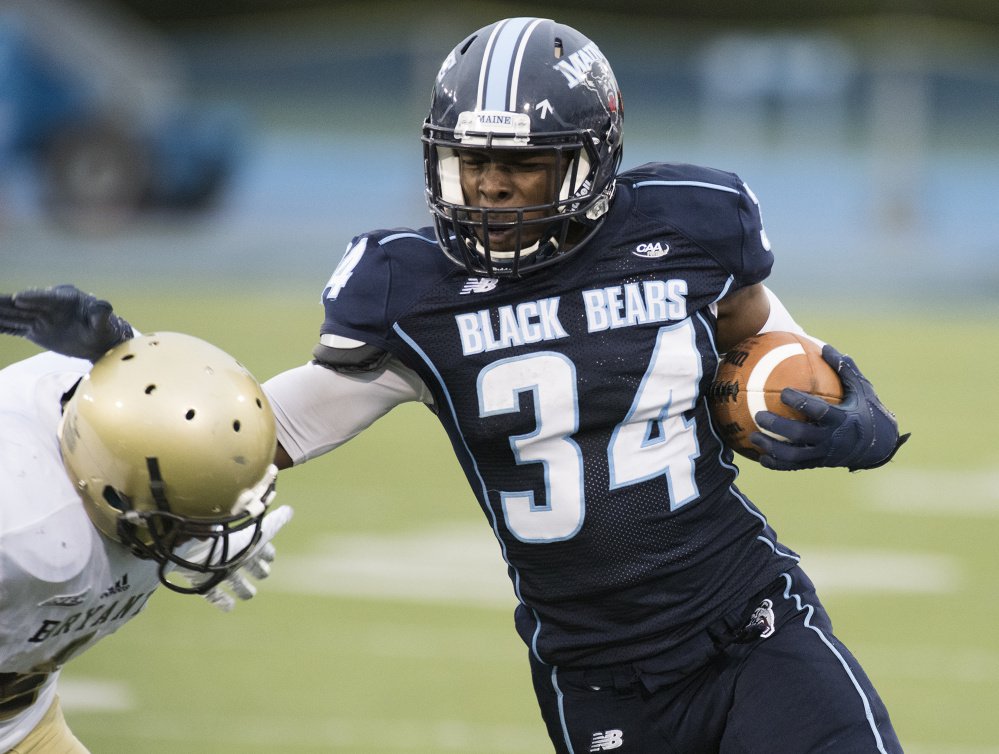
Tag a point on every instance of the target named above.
point(63, 585)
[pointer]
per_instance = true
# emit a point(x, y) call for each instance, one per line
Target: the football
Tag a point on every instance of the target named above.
point(752, 375)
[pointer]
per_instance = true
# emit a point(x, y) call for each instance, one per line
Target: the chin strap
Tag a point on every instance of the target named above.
point(547, 246)
point(156, 486)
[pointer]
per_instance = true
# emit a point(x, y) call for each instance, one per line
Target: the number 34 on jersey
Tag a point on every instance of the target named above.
point(653, 439)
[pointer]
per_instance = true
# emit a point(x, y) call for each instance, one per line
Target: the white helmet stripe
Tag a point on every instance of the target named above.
point(504, 50)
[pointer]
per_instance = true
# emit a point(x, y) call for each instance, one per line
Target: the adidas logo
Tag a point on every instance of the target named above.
point(651, 250)
point(479, 285)
point(121, 585)
point(607, 740)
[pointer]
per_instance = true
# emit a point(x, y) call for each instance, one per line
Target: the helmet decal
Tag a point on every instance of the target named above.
point(578, 66)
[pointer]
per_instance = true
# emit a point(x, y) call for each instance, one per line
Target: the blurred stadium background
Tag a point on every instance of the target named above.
point(866, 129)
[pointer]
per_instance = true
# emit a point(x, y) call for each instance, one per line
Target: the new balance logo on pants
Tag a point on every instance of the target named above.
point(607, 740)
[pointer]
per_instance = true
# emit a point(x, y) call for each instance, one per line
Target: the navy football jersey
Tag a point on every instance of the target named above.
point(575, 400)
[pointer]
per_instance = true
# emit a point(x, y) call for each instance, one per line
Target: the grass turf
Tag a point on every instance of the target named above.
point(296, 672)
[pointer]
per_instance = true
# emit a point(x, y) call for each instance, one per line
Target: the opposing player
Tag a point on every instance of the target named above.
point(153, 466)
point(565, 338)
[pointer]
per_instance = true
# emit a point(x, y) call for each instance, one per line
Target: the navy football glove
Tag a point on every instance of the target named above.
point(63, 319)
point(859, 433)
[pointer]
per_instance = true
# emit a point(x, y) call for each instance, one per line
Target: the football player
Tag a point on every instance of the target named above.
point(563, 319)
point(152, 466)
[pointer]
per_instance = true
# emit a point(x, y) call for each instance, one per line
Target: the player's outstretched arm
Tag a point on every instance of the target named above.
point(859, 433)
point(63, 319)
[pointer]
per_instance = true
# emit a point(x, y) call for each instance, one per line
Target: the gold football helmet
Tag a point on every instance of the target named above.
point(167, 440)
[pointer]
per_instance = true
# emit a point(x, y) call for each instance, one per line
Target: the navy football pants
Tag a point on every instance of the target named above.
point(798, 690)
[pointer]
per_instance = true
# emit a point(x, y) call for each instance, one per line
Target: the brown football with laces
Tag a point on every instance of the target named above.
point(750, 379)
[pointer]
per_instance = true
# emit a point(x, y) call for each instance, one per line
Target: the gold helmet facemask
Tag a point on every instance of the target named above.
point(169, 440)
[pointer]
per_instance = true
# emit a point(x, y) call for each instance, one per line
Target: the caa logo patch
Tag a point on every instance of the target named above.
point(652, 250)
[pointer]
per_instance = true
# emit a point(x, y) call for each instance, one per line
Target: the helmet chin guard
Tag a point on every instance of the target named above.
point(170, 443)
point(524, 85)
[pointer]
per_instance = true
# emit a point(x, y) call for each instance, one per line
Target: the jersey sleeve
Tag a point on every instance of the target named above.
point(356, 296)
point(756, 258)
point(378, 278)
point(714, 209)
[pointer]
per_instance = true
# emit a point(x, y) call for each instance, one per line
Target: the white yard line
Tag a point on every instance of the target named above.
point(859, 571)
point(443, 564)
point(333, 733)
point(946, 748)
point(93, 695)
point(936, 492)
point(463, 564)
point(975, 665)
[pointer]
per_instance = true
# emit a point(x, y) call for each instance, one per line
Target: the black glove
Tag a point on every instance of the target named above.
point(859, 433)
point(63, 319)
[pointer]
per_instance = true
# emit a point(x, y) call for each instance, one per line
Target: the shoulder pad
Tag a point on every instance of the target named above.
point(342, 355)
point(390, 235)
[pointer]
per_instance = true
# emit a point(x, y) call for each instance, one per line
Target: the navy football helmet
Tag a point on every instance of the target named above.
point(528, 85)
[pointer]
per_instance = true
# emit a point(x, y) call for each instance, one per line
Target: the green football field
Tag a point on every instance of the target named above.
point(387, 624)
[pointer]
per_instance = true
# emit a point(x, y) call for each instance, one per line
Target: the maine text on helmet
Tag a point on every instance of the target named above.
point(494, 119)
point(576, 67)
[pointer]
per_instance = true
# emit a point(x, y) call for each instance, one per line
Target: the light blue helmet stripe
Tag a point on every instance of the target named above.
point(517, 61)
point(503, 53)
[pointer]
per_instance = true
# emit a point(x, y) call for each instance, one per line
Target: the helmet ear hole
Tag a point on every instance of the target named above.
point(116, 500)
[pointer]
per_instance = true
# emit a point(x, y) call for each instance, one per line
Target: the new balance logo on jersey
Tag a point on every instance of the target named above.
point(607, 740)
point(651, 250)
point(479, 285)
